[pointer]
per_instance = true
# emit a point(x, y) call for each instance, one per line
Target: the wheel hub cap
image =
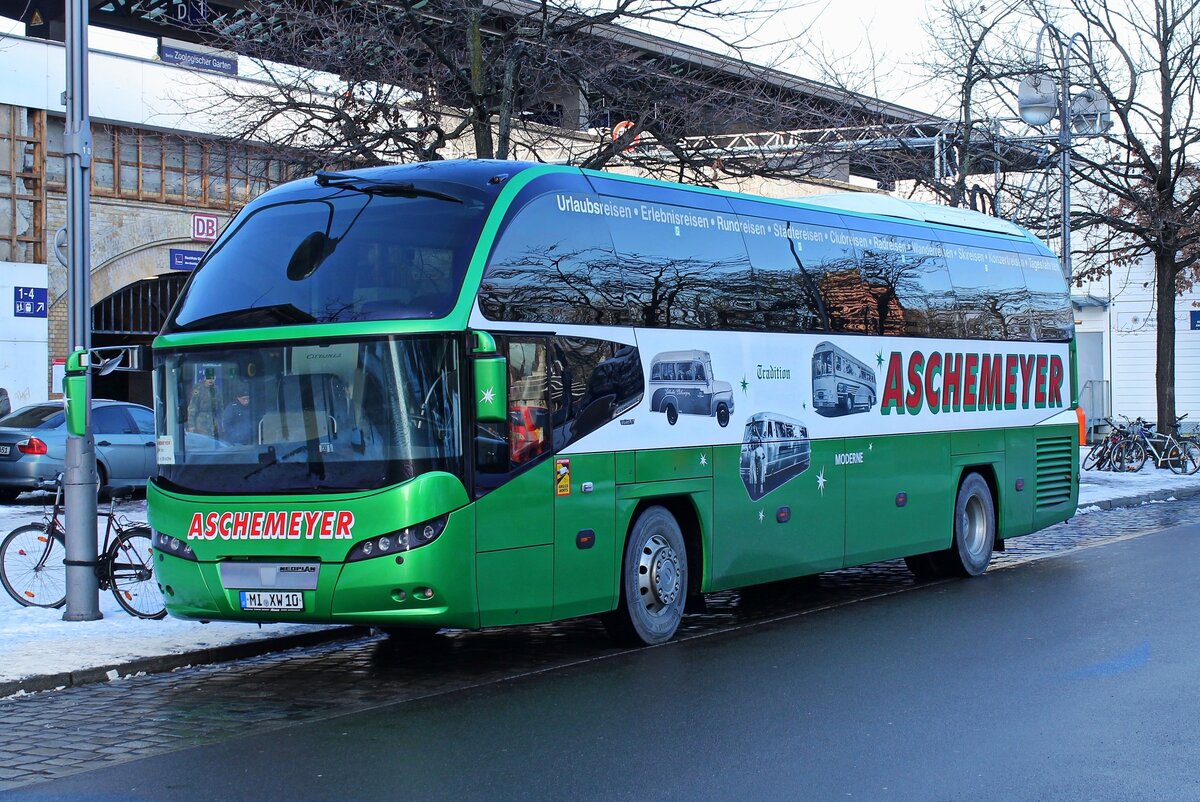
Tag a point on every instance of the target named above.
point(658, 574)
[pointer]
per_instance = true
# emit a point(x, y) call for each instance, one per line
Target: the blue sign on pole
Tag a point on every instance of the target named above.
point(1195, 320)
point(198, 60)
point(183, 259)
point(29, 301)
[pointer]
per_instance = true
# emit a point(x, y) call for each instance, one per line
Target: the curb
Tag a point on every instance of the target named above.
point(1137, 501)
point(170, 662)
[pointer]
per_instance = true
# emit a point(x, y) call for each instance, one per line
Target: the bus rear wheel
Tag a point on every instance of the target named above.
point(672, 414)
point(974, 529)
point(974, 536)
point(653, 581)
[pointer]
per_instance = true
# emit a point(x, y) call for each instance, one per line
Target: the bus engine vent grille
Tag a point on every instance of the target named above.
point(1053, 471)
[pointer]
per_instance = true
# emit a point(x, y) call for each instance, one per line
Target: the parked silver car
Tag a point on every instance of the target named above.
point(33, 445)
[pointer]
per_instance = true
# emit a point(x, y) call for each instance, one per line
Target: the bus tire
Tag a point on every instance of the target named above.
point(672, 412)
point(654, 581)
point(974, 529)
point(847, 403)
point(722, 415)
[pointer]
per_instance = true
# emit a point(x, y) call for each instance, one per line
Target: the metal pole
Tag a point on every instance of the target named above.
point(1064, 147)
point(79, 480)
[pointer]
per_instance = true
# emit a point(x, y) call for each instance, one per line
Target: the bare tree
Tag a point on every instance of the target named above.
point(1143, 179)
point(1139, 184)
point(370, 83)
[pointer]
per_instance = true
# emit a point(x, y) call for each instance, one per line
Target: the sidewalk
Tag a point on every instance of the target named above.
point(39, 651)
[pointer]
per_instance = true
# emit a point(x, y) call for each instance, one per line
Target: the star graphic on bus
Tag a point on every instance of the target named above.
point(821, 481)
point(761, 516)
point(879, 357)
point(703, 458)
point(745, 384)
point(489, 395)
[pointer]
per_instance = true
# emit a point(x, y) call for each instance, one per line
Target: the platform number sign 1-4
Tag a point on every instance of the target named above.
point(29, 301)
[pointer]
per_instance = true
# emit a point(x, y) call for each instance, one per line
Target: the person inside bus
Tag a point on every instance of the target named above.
point(237, 422)
point(204, 407)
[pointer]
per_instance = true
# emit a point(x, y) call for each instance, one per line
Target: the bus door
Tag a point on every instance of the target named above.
point(584, 510)
point(514, 488)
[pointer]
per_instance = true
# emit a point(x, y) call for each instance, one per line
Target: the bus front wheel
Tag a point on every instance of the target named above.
point(672, 414)
point(722, 415)
point(653, 581)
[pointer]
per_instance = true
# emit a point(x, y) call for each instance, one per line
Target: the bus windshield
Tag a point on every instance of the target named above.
point(308, 417)
point(336, 255)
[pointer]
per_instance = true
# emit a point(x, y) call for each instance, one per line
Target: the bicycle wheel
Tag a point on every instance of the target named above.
point(1095, 456)
point(1130, 456)
point(131, 574)
point(32, 568)
point(1188, 461)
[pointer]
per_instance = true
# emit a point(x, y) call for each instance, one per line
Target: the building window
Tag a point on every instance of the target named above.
point(144, 165)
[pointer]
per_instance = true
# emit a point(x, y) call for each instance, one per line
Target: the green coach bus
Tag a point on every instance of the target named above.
point(420, 396)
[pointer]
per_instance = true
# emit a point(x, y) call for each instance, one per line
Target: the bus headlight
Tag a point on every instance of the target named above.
point(171, 545)
point(406, 539)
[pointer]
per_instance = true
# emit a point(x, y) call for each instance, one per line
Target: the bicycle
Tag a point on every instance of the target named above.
point(1167, 450)
point(33, 566)
point(1100, 458)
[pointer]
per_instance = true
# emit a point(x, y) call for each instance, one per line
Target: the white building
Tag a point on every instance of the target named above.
point(1115, 324)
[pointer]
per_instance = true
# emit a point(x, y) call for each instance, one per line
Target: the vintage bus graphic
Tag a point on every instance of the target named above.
point(775, 448)
point(840, 383)
point(682, 382)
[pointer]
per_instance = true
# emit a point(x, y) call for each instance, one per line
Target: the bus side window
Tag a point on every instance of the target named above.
point(528, 411)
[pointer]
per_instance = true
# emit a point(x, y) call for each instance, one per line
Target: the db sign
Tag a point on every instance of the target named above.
point(204, 227)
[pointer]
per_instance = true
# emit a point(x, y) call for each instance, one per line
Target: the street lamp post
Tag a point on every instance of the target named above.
point(79, 480)
point(1039, 100)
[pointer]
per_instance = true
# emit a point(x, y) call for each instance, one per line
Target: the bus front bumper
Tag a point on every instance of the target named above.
point(431, 586)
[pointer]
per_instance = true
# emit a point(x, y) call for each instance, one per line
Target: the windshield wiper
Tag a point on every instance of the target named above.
point(372, 186)
point(277, 314)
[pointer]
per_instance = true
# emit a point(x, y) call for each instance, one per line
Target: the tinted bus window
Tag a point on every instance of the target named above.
point(554, 263)
point(336, 256)
point(591, 383)
point(1048, 298)
point(909, 283)
point(683, 267)
point(815, 270)
point(990, 287)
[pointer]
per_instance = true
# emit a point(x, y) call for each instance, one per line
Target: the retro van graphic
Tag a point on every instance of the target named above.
point(682, 382)
point(840, 383)
point(775, 449)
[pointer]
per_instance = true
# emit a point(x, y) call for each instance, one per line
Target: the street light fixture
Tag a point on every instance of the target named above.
point(1041, 97)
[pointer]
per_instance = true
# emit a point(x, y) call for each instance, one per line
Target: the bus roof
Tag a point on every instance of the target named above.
point(888, 206)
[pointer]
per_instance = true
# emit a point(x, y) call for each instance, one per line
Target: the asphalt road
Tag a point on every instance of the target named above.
point(1072, 677)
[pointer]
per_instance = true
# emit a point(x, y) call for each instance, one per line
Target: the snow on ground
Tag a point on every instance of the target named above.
point(35, 641)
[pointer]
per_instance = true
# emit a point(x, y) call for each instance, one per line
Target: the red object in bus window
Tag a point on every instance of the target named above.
point(526, 433)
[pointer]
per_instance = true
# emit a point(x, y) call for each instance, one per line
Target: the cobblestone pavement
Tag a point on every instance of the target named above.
point(53, 734)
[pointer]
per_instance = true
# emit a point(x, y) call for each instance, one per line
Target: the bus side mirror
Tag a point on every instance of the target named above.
point(491, 389)
point(75, 392)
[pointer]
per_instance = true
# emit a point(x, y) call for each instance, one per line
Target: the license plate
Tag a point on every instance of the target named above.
point(5, 450)
point(272, 600)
